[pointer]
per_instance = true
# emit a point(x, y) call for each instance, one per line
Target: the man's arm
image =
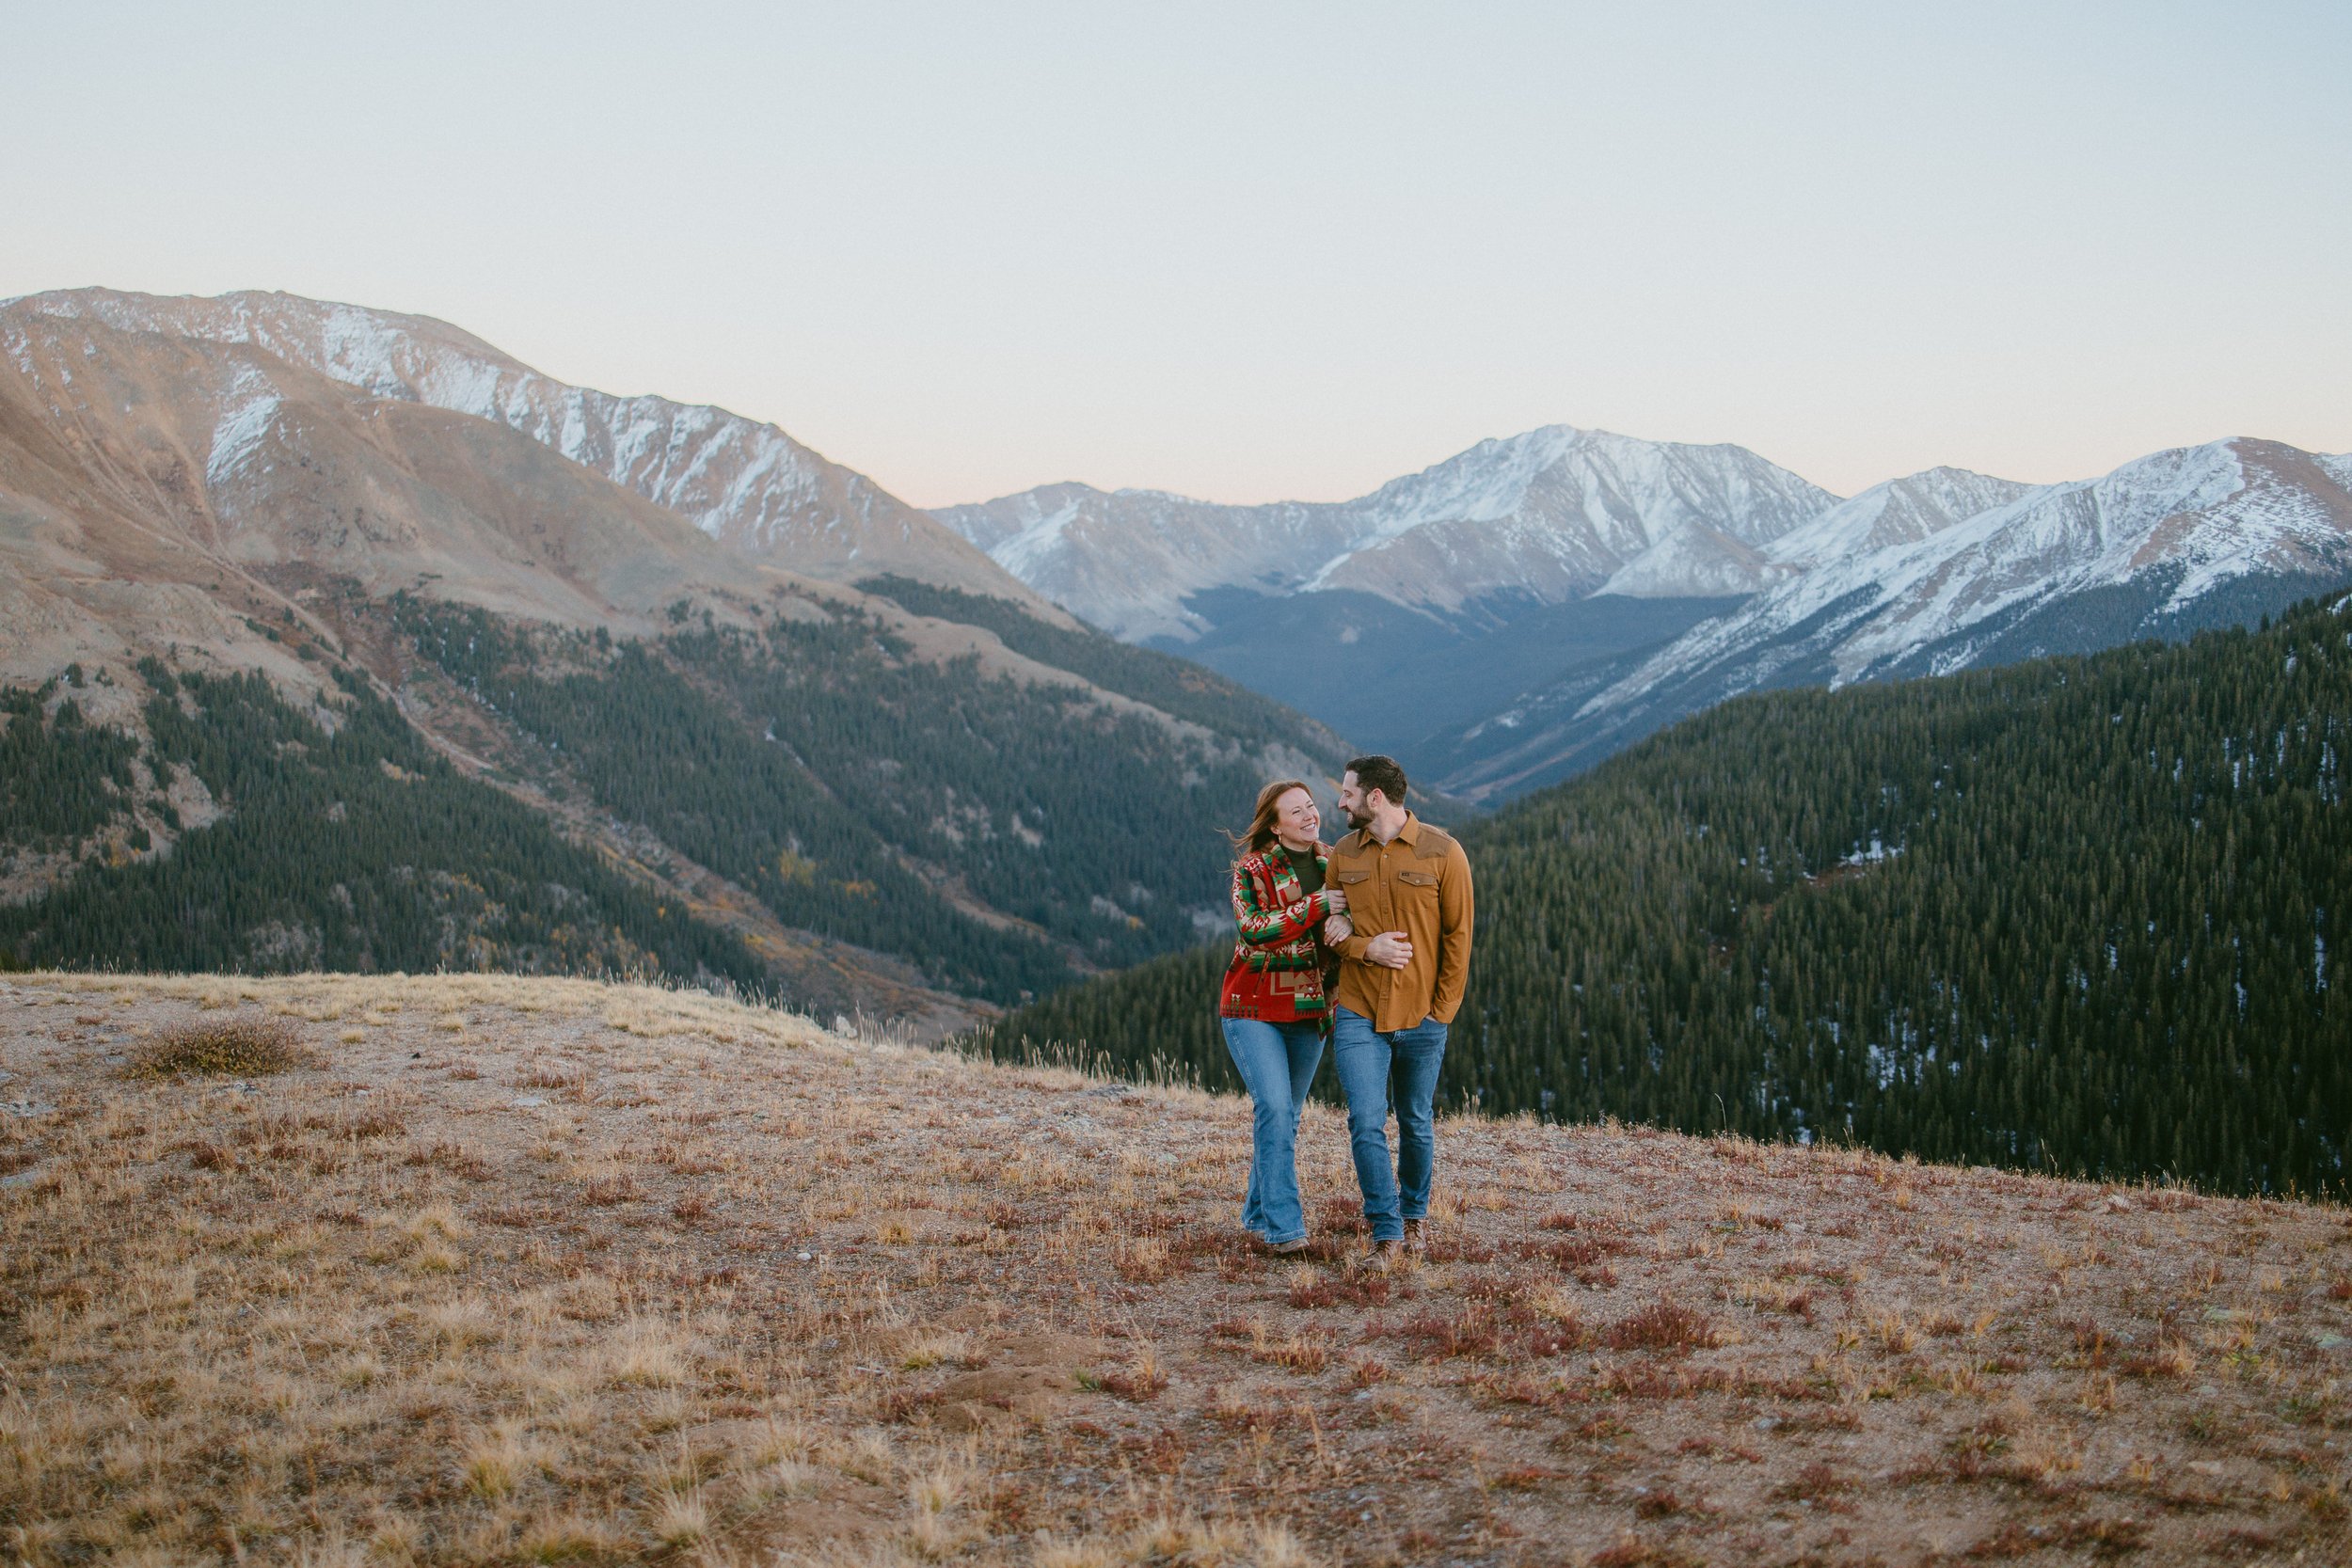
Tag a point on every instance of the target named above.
point(1455, 917)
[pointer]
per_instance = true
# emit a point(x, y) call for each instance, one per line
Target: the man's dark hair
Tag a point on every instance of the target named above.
point(1381, 773)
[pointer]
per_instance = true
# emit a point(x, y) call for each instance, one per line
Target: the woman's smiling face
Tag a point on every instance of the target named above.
point(1297, 820)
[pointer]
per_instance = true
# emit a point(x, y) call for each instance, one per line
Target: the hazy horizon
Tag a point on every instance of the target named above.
point(1254, 257)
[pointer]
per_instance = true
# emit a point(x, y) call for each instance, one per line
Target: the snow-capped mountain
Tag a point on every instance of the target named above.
point(742, 481)
point(162, 490)
point(1899, 582)
point(1896, 511)
point(2196, 517)
point(1554, 515)
point(166, 488)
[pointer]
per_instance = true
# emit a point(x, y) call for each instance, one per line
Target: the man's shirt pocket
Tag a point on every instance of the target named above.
point(1415, 885)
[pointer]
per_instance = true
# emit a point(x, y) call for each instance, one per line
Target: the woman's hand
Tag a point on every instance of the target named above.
point(1336, 929)
point(1335, 900)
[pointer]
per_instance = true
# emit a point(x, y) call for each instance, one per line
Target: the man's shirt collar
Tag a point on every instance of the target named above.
point(1409, 833)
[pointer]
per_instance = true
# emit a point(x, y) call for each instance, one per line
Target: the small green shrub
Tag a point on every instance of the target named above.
point(239, 1047)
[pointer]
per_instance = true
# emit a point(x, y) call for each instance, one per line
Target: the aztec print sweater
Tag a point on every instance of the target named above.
point(1276, 971)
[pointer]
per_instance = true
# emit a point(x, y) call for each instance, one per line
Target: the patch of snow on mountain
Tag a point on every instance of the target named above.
point(1691, 559)
point(1025, 553)
point(249, 409)
point(1897, 512)
point(1486, 483)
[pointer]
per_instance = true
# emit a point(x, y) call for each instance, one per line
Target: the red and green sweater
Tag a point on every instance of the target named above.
point(1276, 972)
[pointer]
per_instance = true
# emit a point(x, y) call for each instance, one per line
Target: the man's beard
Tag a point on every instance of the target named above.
point(1359, 817)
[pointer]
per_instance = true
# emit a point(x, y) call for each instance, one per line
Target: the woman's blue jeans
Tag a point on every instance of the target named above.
point(1277, 1062)
point(1365, 1058)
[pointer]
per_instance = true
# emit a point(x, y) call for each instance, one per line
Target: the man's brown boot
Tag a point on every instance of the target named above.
point(1385, 1254)
point(1415, 1243)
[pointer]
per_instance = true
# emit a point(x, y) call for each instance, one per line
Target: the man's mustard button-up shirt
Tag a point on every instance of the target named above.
point(1419, 883)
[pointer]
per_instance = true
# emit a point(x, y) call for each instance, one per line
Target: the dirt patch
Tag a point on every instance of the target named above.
point(975, 1399)
point(1070, 1352)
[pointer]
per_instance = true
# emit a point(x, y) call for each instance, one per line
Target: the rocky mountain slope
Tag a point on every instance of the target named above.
point(745, 484)
point(312, 492)
point(532, 1270)
point(162, 489)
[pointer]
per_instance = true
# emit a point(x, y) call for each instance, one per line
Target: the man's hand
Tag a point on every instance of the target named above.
point(1336, 929)
point(1390, 950)
point(1335, 900)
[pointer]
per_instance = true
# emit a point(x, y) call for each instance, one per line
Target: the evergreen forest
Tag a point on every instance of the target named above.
point(879, 798)
point(1177, 687)
point(345, 842)
point(2074, 915)
point(1000, 838)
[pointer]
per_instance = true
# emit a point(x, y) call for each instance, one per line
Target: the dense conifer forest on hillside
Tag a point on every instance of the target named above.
point(1004, 838)
point(1174, 686)
point(2080, 914)
point(355, 849)
point(858, 792)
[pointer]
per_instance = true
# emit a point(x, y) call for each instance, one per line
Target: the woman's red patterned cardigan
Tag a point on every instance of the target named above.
point(1277, 972)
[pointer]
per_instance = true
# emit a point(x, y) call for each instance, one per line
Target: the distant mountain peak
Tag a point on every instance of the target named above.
point(1550, 513)
point(1894, 512)
point(744, 482)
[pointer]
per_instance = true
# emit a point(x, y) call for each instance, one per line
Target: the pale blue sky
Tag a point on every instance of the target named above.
point(1254, 251)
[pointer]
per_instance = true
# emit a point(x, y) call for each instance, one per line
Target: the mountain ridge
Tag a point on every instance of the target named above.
point(1552, 514)
point(2160, 547)
point(745, 482)
point(1931, 571)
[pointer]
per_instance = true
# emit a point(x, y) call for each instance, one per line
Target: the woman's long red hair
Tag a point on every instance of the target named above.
point(1260, 833)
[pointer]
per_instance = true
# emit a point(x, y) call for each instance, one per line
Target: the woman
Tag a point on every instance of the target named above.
point(1274, 1004)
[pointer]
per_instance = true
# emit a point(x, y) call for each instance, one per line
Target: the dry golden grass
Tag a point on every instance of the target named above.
point(526, 1271)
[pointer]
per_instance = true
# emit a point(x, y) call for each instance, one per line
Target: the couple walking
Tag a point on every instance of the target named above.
point(1369, 942)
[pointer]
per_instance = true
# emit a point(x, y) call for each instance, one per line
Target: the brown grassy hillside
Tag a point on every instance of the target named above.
point(506, 1271)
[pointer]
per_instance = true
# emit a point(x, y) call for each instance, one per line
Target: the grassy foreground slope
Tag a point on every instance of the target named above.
point(2081, 914)
point(532, 1270)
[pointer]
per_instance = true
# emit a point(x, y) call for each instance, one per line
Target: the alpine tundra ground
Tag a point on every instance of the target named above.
point(527, 1270)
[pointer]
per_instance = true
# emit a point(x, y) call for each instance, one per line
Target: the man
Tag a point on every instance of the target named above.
point(1404, 947)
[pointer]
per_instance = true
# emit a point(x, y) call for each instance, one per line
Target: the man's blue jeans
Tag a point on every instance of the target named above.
point(1364, 1058)
point(1278, 1062)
